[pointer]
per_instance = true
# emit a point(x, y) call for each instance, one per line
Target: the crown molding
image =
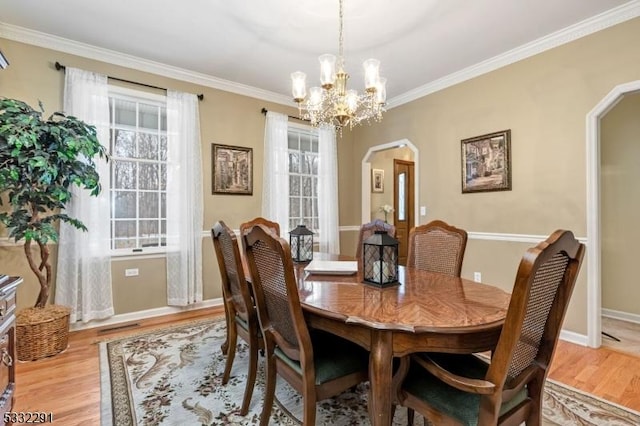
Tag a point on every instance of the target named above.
point(49, 41)
point(591, 25)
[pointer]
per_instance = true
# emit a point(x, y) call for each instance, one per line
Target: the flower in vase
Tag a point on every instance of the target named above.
point(386, 209)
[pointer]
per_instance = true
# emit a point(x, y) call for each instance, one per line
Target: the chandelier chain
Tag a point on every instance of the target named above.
point(341, 37)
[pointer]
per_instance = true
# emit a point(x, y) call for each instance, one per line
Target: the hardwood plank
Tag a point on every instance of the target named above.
point(606, 373)
point(69, 384)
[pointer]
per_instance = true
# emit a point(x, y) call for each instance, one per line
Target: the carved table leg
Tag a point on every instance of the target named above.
point(380, 375)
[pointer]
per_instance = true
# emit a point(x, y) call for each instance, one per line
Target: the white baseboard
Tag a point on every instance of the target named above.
point(622, 316)
point(573, 337)
point(140, 315)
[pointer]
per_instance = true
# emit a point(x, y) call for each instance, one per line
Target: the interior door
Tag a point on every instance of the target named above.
point(403, 204)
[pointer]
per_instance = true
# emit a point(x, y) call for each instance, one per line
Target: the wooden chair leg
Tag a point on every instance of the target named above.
point(309, 401)
point(225, 345)
point(269, 390)
point(410, 416)
point(251, 378)
point(232, 336)
point(535, 389)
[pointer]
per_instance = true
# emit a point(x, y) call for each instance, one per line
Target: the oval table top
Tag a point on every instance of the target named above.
point(422, 302)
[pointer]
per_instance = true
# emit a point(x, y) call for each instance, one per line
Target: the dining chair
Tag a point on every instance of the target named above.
point(437, 247)
point(239, 309)
point(368, 229)
point(273, 226)
point(315, 363)
point(507, 390)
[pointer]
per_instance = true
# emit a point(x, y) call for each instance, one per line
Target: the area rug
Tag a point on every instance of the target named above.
point(172, 376)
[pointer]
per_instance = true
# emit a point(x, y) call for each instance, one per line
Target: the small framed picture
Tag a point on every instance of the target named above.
point(232, 169)
point(486, 162)
point(377, 180)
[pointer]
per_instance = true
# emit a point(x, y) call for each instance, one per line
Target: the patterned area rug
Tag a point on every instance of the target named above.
point(173, 376)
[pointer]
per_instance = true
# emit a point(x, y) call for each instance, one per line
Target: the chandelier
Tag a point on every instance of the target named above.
point(332, 103)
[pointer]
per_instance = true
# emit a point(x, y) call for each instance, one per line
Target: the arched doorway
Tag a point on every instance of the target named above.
point(367, 179)
point(594, 284)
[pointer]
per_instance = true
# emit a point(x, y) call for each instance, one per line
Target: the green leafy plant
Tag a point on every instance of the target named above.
point(40, 160)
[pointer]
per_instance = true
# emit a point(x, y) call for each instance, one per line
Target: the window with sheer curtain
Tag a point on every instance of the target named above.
point(303, 177)
point(138, 139)
point(300, 179)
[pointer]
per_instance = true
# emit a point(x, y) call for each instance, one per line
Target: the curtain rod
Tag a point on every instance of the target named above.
point(59, 67)
point(264, 111)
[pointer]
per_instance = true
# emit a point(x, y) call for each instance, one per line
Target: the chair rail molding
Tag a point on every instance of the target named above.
point(490, 236)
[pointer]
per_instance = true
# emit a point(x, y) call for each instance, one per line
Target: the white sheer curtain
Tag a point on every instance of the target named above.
point(184, 200)
point(275, 185)
point(83, 279)
point(329, 238)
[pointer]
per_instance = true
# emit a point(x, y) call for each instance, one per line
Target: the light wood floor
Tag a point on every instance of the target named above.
point(68, 385)
point(627, 332)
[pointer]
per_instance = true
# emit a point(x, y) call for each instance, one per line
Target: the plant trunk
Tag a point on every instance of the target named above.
point(44, 278)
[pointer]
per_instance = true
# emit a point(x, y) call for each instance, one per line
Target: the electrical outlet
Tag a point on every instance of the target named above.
point(131, 272)
point(477, 277)
point(423, 210)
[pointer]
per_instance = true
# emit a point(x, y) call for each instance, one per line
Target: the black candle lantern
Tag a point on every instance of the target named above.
point(301, 242)
point(380, 259)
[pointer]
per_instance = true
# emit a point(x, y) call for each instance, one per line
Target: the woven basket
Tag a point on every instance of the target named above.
point(42, 332)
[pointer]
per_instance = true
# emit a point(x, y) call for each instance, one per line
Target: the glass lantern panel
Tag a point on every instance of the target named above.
point(306, 248)
point(390, 264)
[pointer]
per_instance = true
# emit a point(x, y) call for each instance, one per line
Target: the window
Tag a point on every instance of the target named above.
point(303, 177)
point(138, 146)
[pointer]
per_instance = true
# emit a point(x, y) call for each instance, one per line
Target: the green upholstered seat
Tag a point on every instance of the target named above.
point(242, 323)
point(333, 357)
point(463, 406)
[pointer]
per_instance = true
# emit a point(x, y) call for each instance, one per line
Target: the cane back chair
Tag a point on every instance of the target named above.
point(470, 390)
point(317, 364)
point(437, 247)
point(240, 312)
point(273, 226)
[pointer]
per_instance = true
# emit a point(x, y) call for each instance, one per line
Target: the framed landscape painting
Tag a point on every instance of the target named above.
point(232, 169)
point(486, 162)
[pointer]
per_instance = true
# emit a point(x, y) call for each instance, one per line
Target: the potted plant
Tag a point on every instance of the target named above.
point(40, 161)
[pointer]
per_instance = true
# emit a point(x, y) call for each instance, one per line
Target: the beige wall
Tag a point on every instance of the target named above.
point(225, 118)
point(544, 101)
point(620, 204)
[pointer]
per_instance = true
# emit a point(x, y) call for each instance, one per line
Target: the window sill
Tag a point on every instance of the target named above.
point(149, 253)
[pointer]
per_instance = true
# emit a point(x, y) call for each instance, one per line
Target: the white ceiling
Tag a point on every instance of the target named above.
point(258, 43)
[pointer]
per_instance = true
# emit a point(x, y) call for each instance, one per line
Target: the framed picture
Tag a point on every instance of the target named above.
point(377, 180)
point(232, 169)
point(486, 162)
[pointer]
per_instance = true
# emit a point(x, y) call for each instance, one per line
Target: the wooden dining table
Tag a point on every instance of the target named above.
point(426, 311)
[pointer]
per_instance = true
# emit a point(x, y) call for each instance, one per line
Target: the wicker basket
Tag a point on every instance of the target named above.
point(42, 332)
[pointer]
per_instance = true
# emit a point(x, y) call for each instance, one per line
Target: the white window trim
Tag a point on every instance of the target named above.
point(308, 128)
point(133, 95)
